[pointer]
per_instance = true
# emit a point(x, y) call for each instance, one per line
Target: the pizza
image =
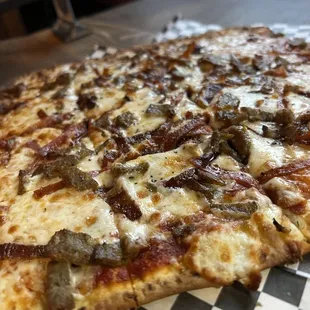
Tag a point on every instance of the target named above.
point(156, 170)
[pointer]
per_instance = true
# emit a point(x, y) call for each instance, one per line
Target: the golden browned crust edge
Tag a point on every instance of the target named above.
point(116, 296)
point(167, 281)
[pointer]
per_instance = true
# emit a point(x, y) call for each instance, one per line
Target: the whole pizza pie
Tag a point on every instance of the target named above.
point(153, 171)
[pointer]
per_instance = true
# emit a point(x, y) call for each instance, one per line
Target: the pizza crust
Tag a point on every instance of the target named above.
point(239, 252)
point(166, 281)
point(116, 296)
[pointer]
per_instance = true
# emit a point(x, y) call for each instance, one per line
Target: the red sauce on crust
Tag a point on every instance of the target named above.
point(159, 253)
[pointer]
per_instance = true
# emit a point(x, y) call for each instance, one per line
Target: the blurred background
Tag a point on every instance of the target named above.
point(31, 31)
point(20, 17)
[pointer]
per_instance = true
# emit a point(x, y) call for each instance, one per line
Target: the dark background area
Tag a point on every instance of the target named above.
point(34, 15)
point(44, 12)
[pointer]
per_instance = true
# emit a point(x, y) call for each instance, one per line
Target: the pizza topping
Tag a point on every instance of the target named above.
point(56, 168)
point(279, 227)
point(237, 211)
point(254, 115)
point(108, 158)
point(228, 101)
point(120, 169)
point(13, 92)
point(262, 84)
point(279, 71)
point(182, 179)
point(160, 110)
point(86, 101)
point(61, 93)
point(79, 179)
point(6, 107)
point(76, 248)
point(121, 202)
point(172, 137)
point(63, 79)
point(284, 116)
point(294, 166)
point(262, 62)
point(71, 136)
point(107, 254)
point(208, 93)
point(104, 121)
point(22, 180)
point(59, 291)
point(125, 120)
point(195, 181)
point(6, 145)
point(49, 189)
point(13, 250)
point(240, 142)
point(297, 42)
point(240, 66)
point(241, 178)
point(48, 121)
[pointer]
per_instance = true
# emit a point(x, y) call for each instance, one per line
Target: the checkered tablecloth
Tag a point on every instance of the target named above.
point(180, 27)
point(282, 288)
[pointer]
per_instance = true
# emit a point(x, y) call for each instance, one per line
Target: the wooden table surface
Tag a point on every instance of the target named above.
point(135, 23)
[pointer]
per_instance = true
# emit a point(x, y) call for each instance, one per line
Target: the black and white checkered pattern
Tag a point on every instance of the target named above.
point(282, 288)
point(184, 28)
point(279, 290)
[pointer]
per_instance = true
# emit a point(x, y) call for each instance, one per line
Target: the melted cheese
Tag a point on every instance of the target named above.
point(249, 99)
point(226, 162)
point(22, 284)
point(85, 211)
point(138, 106)
point(264, 154)
point(300, 76)
point(298, 104)
point(106, 100)
point(164, 204)
point(216, 254)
